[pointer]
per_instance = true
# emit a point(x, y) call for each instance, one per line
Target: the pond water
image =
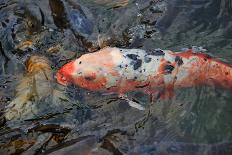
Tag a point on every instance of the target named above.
point(39, 116)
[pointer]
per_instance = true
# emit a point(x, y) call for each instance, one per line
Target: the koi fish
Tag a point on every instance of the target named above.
point(155, 72)
point(38, 69)
point(36, 84)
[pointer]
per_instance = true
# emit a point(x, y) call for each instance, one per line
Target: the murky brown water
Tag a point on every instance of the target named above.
point(38, 116)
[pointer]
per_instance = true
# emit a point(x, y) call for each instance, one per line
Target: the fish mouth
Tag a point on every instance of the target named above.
point(61, 79)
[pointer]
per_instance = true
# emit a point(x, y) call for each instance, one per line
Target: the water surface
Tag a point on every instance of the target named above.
point(196, 121)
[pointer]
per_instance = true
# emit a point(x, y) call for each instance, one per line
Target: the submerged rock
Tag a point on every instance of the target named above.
point(183, 148)
point(16, 146)
point(83, 146)
point(111, 3)
point(201, 23)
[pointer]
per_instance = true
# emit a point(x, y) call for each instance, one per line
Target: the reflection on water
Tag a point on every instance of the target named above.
point(53, 119)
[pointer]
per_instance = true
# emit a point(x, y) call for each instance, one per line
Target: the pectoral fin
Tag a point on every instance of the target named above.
point(135, 105)
point(132, 103)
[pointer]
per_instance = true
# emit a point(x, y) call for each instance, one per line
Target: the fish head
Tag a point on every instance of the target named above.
point(93, 71)
point(64, 75)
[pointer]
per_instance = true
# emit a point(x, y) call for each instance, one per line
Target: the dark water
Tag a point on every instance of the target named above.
point(196, 121)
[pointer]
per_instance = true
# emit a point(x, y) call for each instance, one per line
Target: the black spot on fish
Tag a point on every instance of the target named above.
point(178, 60)
point(89, 78)
point(169, 68)
point(80, 62)
point(132, 56)
point(156, 53)
point(137, 64)
point(208, 56)
point(147, 59)
point(135, 77)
